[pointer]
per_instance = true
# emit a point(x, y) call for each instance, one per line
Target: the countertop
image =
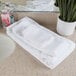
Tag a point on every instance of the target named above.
point(21, 63)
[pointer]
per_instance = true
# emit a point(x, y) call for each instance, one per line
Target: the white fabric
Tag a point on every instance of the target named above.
point(29, 34)
point(34, 36)
point(38, 38)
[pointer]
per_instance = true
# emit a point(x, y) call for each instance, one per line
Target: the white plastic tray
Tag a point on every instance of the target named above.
point(51, 58)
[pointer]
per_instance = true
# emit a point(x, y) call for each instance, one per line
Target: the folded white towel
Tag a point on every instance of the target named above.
point(41, 39)
point(37, 37)
point(34, 38)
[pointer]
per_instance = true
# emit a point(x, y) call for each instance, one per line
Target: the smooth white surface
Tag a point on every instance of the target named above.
point(7, 46)
point(61, 47)
point(65, 28)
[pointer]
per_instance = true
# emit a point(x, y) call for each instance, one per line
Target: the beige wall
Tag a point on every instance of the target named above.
point(15, 1)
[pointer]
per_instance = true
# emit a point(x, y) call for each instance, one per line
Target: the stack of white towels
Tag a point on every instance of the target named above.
point(45, 45)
